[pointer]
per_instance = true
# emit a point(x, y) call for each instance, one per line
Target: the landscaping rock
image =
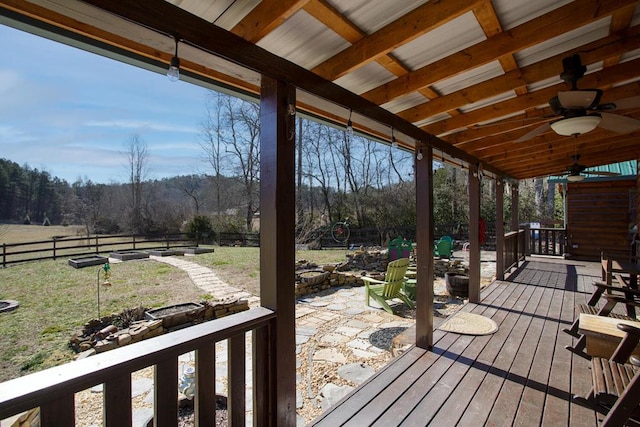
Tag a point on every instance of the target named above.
point(356, 373)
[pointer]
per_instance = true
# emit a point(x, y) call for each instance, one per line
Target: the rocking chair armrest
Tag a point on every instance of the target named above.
point(622, 300)
point(628, 343)
point(604, 286)
point(635, 360)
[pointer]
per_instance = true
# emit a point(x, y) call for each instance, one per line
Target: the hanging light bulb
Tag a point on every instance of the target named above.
point(394, 143)
point(349, 128)
point(419, 156)
point(173, 73)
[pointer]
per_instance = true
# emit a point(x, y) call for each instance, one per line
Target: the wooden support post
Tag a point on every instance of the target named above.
point(515, 220)
point(515, 201)
point(424, 239)
point(474, 234)
point(499, 229)
point(277, 245)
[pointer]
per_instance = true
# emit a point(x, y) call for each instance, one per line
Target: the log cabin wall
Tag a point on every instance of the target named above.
point(600, 215)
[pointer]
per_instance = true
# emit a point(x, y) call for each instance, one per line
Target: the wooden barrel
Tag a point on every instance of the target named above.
point(457, 284)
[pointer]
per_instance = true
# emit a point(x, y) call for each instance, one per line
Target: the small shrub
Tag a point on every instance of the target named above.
point(200, 229)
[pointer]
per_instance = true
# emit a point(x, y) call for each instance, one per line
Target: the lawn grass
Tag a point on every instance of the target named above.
point(56, 299)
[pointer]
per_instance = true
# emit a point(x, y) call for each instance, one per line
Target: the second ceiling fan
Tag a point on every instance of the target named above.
point(581, 110)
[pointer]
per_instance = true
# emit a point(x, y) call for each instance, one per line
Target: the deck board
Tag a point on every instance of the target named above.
point(520, 375)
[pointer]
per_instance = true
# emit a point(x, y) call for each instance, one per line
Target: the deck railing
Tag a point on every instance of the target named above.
point(514, 249)
point(546, 241)
point(88, 245)
point(53, 390)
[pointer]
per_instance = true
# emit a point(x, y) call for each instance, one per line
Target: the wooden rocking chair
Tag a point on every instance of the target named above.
point(390, 287)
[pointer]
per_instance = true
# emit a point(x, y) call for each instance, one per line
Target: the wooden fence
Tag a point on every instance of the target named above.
point(67, 247)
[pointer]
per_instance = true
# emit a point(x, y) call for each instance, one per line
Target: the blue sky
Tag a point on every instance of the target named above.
point(72, 113)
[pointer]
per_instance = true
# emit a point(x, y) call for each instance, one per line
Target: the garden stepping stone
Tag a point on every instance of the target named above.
point(332, 338)
point(329, 355)
point(336, 307)
point(357, 373)
point(331, 394)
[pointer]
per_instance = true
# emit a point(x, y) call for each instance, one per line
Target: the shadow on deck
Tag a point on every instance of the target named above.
point(521, 375)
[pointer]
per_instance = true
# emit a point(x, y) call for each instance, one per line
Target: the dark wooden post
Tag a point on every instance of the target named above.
point(424, 239)
point(277, 255)
point(515, 220)
point(474, 234)
point(499, 229)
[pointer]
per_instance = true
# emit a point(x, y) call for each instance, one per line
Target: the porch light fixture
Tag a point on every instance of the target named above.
point(576, 125)
point(419, 156)
point(173, 73)
point(575, 178)
point(349, 128)
point(394, 143)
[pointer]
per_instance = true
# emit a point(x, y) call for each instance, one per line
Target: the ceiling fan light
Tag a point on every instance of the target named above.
point(576, 125)
point(575, 178)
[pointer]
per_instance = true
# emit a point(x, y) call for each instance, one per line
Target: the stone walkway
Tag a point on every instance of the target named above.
point(340, 342)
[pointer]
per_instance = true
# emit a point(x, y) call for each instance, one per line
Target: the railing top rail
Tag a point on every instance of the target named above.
point(23, 393)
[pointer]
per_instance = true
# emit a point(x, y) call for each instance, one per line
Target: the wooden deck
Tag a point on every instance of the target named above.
point(521, 375)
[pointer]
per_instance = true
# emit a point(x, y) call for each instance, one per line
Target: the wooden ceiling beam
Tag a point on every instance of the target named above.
point(265, 17)
point(615, 74)
point(409, 27)
point(611, 46)
point(559, 149)
point(616, 151)
point(620, 20)
point(552, 24)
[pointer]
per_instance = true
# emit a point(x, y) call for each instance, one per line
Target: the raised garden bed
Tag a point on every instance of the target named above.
point(174, 315)
point(8, 305)
point(87, 261)
point(197, 250)
point(128, 255)
point(165, 252)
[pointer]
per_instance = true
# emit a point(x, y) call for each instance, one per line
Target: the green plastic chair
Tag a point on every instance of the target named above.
point(442, 249)
point(389, 288)
point(399, 248)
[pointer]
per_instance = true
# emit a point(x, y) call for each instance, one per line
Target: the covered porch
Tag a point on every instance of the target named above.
point(521, 375)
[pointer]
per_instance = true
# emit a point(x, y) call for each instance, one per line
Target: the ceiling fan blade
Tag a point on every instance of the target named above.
point(535, 132)
point(620, 124)
point(580, 98)
point(625, 103)
point(602, 173)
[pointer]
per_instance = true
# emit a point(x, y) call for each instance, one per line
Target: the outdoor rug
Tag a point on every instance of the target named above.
point(469, 324)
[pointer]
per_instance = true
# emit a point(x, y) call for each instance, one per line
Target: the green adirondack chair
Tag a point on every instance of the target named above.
point(442, 249)
point(389, 288)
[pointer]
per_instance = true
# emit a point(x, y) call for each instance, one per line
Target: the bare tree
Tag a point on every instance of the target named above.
point(137, 159)
point(212, 143)
point(243, 145)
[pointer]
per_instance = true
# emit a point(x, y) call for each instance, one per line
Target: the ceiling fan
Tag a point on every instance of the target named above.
point(581, 110)
point(576, 172)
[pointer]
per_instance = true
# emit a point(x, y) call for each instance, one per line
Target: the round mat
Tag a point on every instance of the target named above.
point(469, 324)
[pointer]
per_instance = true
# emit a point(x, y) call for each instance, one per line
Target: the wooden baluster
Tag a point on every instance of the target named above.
point(117, 402)
point(205, 404)
point(59, 412)
point(236, 403)
point(166, 393)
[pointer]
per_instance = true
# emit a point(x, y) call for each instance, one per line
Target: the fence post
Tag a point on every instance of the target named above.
point(97, 245)
point(134, 242)
point(4, 255)
point(167, 237)
point(54, 247)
